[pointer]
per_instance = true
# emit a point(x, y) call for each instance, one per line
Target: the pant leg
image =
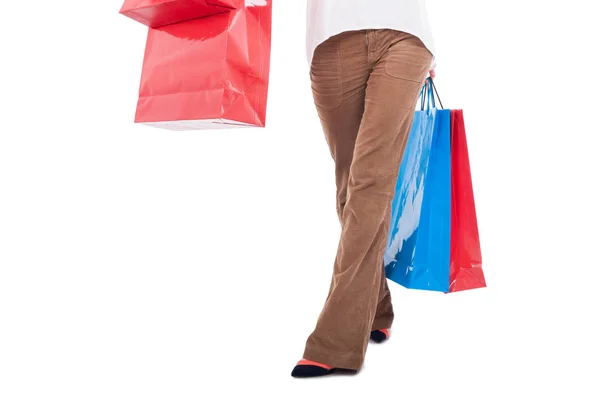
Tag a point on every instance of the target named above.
point(339, 84)
point(399, 63)
point(384, 314)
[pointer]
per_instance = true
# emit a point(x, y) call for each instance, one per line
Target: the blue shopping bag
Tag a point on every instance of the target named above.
point(417, 255)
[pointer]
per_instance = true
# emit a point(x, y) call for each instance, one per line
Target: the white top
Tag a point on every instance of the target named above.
point(326, 18)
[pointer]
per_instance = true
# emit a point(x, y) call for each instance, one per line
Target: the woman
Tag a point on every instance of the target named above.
point(369, 60)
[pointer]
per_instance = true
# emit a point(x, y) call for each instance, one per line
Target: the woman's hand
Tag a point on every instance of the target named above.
point(430, 75)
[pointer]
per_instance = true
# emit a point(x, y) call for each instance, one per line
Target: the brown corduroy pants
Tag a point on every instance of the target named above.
point(365, 86)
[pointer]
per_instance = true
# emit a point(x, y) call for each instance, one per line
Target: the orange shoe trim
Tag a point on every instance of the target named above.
point(313, 363)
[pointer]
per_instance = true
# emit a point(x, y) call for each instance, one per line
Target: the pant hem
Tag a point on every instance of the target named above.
point(382, 324)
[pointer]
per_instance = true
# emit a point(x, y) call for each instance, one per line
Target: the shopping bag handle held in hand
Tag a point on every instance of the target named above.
point(427, 95)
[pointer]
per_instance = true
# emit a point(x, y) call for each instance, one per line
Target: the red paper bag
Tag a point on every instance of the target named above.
point(156, 13)
point(465, 250)
point(208, 73)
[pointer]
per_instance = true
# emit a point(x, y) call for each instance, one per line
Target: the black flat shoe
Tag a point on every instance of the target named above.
point(310, 371)
point(379, 336)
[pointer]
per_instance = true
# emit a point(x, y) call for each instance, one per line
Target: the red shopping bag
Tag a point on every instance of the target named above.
point(465, 250)
point(156, 13)
point(209, 72)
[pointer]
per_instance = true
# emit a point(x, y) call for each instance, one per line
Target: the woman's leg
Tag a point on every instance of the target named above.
point(339, 75)
point(398, 64)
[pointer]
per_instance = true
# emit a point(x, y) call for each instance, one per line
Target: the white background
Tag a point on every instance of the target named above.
point(138, 262)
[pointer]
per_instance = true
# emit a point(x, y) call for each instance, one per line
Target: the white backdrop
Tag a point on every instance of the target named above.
point(138, 262)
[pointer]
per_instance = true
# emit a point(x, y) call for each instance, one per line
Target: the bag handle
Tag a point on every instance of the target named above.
point(428, 97)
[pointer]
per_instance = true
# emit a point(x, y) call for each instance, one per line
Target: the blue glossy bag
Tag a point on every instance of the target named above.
point(417, 255)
